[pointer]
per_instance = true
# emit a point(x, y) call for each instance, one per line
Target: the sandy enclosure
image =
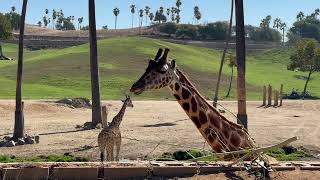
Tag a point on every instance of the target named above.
point(153, 127)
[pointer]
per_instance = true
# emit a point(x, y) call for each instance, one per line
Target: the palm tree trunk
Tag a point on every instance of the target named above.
point(283, 38)
point(132, 21)
point(115, 23)
point(230, 83)
point(19, 117)
point(94, 67)
point(306, 84)
point(241, 64)
point(215, 99)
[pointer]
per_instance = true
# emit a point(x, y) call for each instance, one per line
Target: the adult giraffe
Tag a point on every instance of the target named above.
point(221, 134)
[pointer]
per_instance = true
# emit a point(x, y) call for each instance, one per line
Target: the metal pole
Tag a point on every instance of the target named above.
point(94, 67)
point(241, 64)
point(19, 117)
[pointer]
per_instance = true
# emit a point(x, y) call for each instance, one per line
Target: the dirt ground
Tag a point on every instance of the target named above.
point(153, 127)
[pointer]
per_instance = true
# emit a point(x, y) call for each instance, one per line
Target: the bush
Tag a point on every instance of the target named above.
point(186, 31)
point(216, 31)
point(169, 28)
point(264, 34)
point(5, 27)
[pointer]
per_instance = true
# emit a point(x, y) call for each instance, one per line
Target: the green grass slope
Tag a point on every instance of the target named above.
point(58, 73)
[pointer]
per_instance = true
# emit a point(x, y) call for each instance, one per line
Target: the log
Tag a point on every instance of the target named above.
point(264, 96)
point(276, 98)
point(104, 115)
point(269, 95)
point(281, 94)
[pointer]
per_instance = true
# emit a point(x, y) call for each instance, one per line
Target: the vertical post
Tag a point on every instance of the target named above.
point(241, 64)
point(269, 95)
point(104, 116)
point(215, 99)
point(276, 95)
point(1, 53)
point(264, 96)
point(281, 94)
point(19, 118)
point(94, 67)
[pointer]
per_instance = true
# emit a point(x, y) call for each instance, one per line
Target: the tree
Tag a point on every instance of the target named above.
point(197, 13)
point(13, 9)
point(45, 21)
point(14, 19)
point(133, 10)
point(160, 17)
point(277, 23)
point(19, 116)
point(116, 12)
point(161, 10)
point(300, 16)
point(231, 63)
point(178, 3)
point(177, 11)
point(140, 17)
point(5, 27)
point(283, 27)
point(54, 17)
point(265, 23)
point(80, 21)
point(306, 58)
point(168, 13)
point(105, 27)
point(147, 11)
point(151, 16)
point(39, 23)
point(173, 11)
point(94, 67)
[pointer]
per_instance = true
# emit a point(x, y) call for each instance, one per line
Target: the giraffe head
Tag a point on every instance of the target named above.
point(128, 101)
point(159, 73)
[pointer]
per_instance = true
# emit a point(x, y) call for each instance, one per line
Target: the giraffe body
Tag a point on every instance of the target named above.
point(221, 134)
point(109, 139)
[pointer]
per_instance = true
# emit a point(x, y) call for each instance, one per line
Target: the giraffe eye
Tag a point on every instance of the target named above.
point(164, 68)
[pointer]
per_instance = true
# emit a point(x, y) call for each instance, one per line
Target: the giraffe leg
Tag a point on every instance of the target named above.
point(118, 146)
point(109, 152)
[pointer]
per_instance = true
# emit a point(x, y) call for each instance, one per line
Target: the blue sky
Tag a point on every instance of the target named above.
point(212, 10)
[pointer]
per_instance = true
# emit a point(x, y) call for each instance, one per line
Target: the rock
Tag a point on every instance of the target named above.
point(20, 141)
point(29, 140)
point(2, 143)
point(10, 144)
point(37, 139)
point(99, 126)
point(78, 126)
point(7, 138)
point(65, 101)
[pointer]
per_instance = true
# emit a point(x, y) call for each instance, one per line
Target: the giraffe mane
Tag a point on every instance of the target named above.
point(188, 82)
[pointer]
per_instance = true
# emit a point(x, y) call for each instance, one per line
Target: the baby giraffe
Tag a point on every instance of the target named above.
point(110, 136)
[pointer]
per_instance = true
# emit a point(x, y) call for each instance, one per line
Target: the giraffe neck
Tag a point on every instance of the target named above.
point(221, 134)
point(116, 121)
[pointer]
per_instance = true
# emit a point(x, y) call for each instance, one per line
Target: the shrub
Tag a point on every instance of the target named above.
point(216, 31)
point(169, 28)
point(186, 31)
point(5, 27)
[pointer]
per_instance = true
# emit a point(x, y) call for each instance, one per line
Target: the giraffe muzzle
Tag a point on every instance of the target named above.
point(137, 88)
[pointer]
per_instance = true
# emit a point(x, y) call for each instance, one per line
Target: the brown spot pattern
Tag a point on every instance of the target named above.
point(194, 104)
point(177, 97)
point(177, 87)
point(202, 117)
point(214, 121)
point(196, 121)
point(226, 130)
point(185, 93)
point(186, 106)
point(235, 139)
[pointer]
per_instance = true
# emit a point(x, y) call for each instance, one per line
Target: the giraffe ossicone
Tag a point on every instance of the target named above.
point(220, 133)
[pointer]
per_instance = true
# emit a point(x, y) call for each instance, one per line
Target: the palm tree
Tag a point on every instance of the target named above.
point(140, 19)
point(283, 27)
point(133, 10)
point(13, 8)
point(173, 11)
point(46, 11)
point(54, 17)
point(241, 64)
point(277, 23)
point(94, 66)
point(39, 23)
point(300, 16)
point(147, 11)
point(197, 13)
point(19, 116)
point(232, 63)
point(151, 16)
point(116, 12)
point(168, 13)
point(178, 3)
point(80, 20)
point(161, 10)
